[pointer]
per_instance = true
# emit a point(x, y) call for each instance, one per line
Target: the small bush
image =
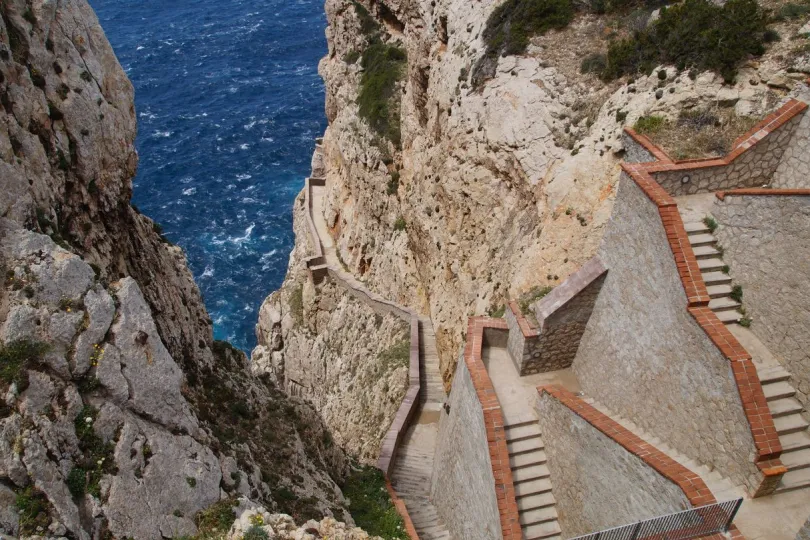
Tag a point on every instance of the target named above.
point(397, 355)
point(771, 36)
point(255, 533)
point(351, 57)
point(593, 63)
point(696, 34)
point(371, 506)
point(649, 124)
point(217, 519)
point(33, 507)
point(399, 224)
point(86, 77)
point(621, 116)
point(15, 359)
point(77, 481)
point(736, 293)
point(792, 10)
point(497, 312)
point(297, 304)
point(393, 184)
point(368, 25)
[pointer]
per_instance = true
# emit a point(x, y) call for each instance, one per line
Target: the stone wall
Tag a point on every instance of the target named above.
point(645, 355)
point(635, 152)
point(522, 342)
point(753, 168)
point(767, 247)
point(463, 487)
point(794, 168)
point(598, 483)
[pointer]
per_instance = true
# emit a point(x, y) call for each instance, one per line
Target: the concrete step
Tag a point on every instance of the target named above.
point(696, 227)
point(528, 474)
point(522, 431)
point(718, 291)
point(534, 487)
point(526, 445)
point(702, 239)
point(541, 530)
point(794, 480)
point(729, 316)
point(778, 390)
point(772, 374)
point(723, 304)
point(784, 407)
point(540, 515)
point(532, 502)
point(527, 460)
point(794, 442)
point(706, 252)
point(716, 278)
point(796, 460)
point(714, 264)
point(793, 423)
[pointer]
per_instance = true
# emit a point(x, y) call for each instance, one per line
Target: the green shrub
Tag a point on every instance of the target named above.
point(370, 504)
point(217, 519)
point(15, 359)
point(33, 507)
point(736, 293)
point(379, 102)
point(593, 63)
point(693, 34)
point(351, 57)
point(77, 481)
point(621, 116)
point(710, 223)
point(512, 24)
point(393, 183)
point(368, 25)
point(399, 224)
point(792, 10)
point(649, 124)
point(397, 355)
point(255, 533)
point(297, 304)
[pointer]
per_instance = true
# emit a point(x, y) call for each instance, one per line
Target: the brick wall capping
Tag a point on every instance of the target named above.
point(494, 424)
point(526, 327)
point(763, 192)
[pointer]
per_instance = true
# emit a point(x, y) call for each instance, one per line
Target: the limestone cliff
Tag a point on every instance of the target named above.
point(119, 413)
point(489, 189)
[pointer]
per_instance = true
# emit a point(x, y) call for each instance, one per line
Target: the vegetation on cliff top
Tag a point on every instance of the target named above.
point(692, 34)
point(370, 504)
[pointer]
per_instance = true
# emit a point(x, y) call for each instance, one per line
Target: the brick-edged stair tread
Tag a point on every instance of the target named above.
point(527, 474)
point(530, 488)
point(708, 265)
point(716, 278)
point(786, 425)
point(772, 374)
point(778, 390)
point(794, 442)
point(541, 530)
point(538, 515)
point(799, 459)
point(718, 291)
point(723, 304)
point(784, 407)
point(701, 239)
point(706, 252)
point(519, 461)
point(540, 500)
point(526, 445)
point(526, 431)
point(695, 227)
point(729, 316)
point(794, 480)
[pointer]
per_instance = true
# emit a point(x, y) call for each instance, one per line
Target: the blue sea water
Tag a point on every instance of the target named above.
point(229, 102)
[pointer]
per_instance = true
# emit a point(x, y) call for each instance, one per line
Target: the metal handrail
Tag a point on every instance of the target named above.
point(684, 525)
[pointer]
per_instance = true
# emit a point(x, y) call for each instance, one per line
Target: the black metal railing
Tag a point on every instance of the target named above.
point(693, 523)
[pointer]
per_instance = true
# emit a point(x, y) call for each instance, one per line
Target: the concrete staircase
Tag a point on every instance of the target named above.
point(722, 488)
point(787, 412)
point(527, 458)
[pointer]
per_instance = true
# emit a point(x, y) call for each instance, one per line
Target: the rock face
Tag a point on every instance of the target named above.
point(501, 187)
point(119, 413)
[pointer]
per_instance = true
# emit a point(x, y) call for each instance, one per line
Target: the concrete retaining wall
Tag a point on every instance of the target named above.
point(642, 353)
point(766, 241)
point(463, 486)
point(600, 483)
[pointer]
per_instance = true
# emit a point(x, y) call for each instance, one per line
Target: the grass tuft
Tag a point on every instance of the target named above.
point(370, 504)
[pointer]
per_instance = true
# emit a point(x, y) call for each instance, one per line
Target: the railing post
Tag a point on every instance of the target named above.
point(635, 531)
point(733, 514)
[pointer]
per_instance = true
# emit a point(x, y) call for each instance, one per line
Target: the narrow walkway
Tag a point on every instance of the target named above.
point(413, 462)
point(527, 456)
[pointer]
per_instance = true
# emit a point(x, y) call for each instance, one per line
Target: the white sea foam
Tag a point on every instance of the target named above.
point(244, 146)
point(189, 191)
point(162, 134)
point(244, 176)
point(209, 272)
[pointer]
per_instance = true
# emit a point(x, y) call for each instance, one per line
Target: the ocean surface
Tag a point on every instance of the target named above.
point(229, 102)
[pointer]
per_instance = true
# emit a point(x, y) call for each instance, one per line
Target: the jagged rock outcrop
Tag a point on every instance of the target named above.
point(120, 416)
point(500, 187)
